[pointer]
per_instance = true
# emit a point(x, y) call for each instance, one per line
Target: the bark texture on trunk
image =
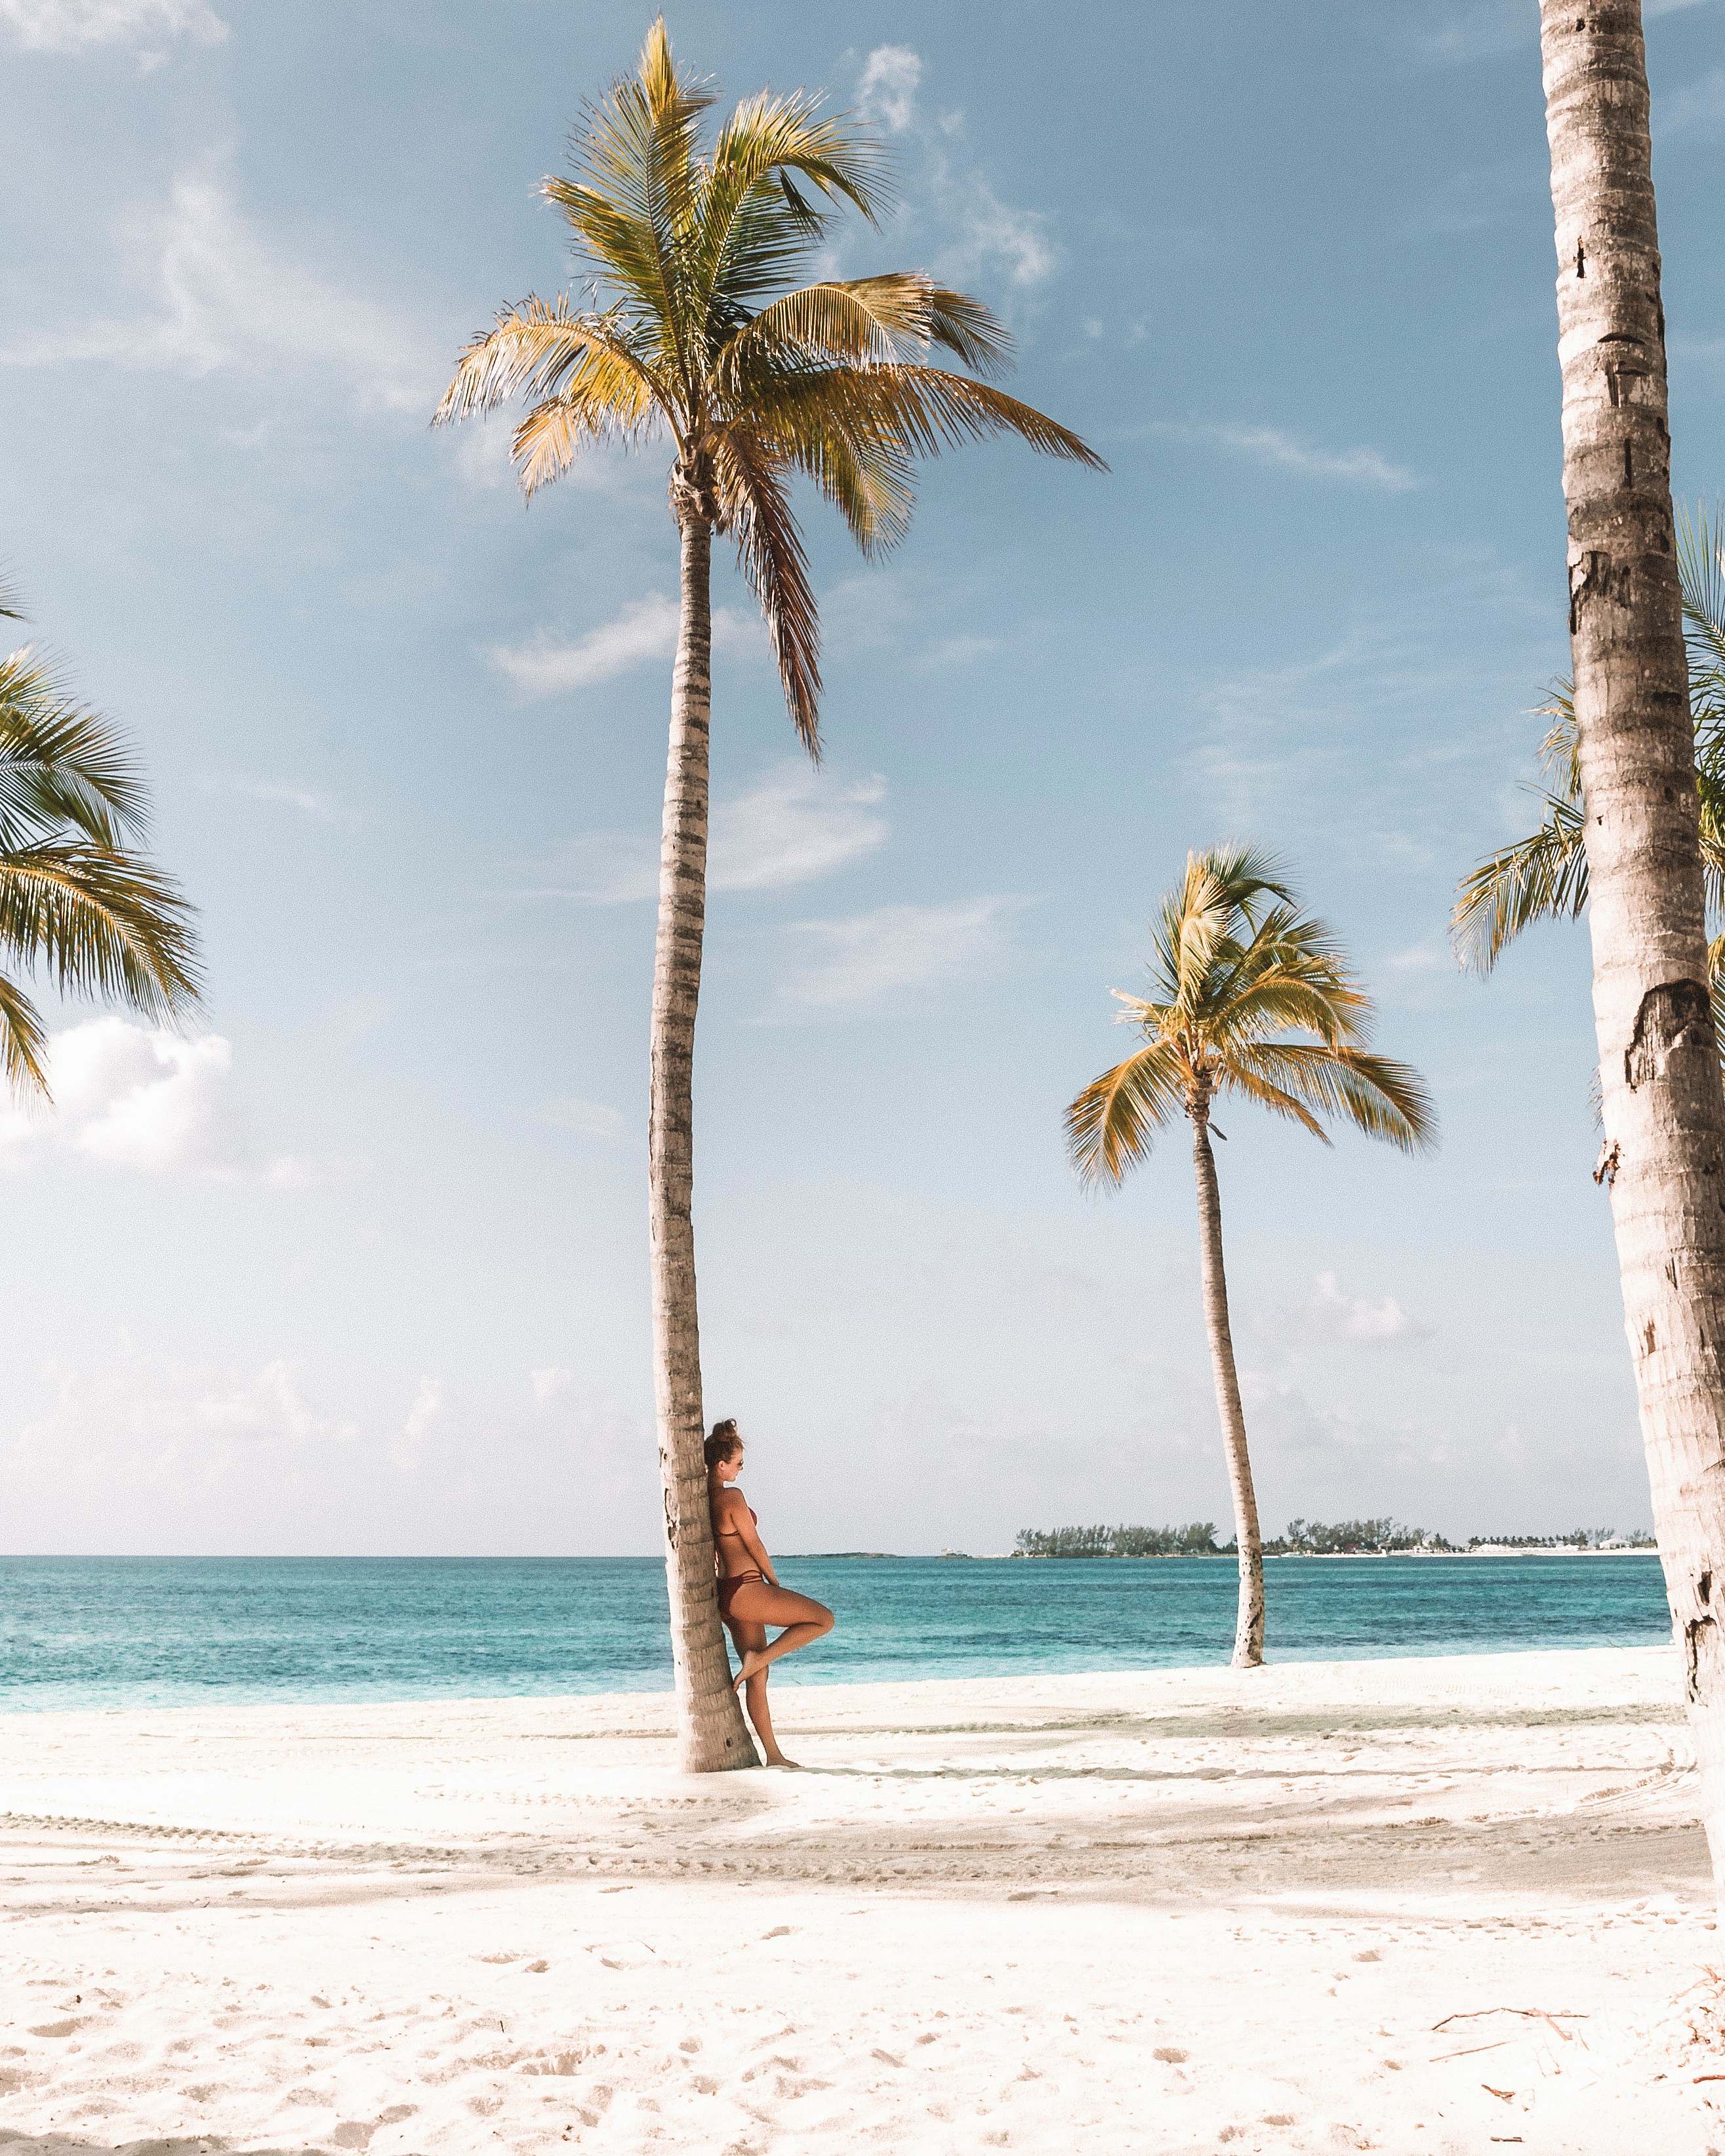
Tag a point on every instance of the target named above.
point(1248, 1627)
point(1659, 1068)
point(710, 1726)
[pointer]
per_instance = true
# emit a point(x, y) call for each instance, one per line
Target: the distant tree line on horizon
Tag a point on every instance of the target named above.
point(1380, 1538)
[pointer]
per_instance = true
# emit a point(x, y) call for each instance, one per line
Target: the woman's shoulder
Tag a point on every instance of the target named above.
point(731, 1500)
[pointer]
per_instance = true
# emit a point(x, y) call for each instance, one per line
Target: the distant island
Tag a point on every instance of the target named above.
point(1384, 1538)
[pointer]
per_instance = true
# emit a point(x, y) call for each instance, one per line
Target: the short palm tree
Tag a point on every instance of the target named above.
point(1235, 962)
point(1544, 877)
point(695, 333)
point(77, 903)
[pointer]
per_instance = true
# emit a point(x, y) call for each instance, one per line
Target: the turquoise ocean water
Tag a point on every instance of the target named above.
point(81, 1632)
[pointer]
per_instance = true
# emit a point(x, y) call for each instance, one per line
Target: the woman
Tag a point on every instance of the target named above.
point(749, 1595)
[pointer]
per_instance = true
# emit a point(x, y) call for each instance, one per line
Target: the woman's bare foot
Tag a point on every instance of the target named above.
point(753, 1664)
point(778, 1759)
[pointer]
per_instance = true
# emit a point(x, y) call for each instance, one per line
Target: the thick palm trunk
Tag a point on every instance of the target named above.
point(709, 1720)
point(1249, 1626)
point(1664, 1115)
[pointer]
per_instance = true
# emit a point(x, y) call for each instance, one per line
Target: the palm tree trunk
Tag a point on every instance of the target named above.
point(709, 1720)
point(1659, 1070)
point(1249, 1626)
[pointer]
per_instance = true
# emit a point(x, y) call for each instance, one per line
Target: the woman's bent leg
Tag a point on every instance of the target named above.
point(803, 1620)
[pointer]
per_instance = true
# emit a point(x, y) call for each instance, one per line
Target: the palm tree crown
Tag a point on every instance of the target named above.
point(1544, 877)
point(1235, 962)
point(695, 331)
point(76, 901)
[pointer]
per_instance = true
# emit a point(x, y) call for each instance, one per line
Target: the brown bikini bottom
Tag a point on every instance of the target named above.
point(731, 1582)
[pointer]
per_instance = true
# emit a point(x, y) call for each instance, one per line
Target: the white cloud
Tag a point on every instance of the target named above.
point(74, 26)
point(549, 1384)
point(1351, 1318)
point(870, 955)
point(138, 1097)
point(322, 807)
point(1699, 103)
point(962, 649)
point(550, 666)
point(585, 1119)
point(406, 1446)
point(144, 1424)
point(989, 234)
point(640, 630)
point(223, 297)
point(980, 232)
point(1276, 446)
point(887, 92)
point(793, 826)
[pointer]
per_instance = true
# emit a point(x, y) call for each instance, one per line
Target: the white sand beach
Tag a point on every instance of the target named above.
point(1423, 1905)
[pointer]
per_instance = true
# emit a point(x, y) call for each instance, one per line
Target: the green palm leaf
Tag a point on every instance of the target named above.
point(76, 903)
point(1543, 876)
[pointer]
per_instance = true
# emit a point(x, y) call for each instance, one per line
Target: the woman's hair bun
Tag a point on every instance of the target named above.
point(724, 1441)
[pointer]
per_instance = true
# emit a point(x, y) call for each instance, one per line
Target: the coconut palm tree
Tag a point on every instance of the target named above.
point(1234, 962)
point(77, 903)
point(1660, 1095)
point(694, 332)
point(1543, 876)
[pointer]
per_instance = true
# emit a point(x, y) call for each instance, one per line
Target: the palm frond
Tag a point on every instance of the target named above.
point(1235, 960)
point(1716, 984)
point(1701, 565)
point(1238, 1076)
point(630, 196)
point(867, 480)
point(1223, 898)
point(549, 351)
point(1700, 568)
point(60, 764)
point(1317, 998)
point(1543, 877)
point(754, 225)
point(1112, 1124)
point(756, 511)
point(1560, 747)
point(928, 409)
point(100, 922)
point(23, 1040)
point(1383, 1098)
point(11, 607)
point(870, 320)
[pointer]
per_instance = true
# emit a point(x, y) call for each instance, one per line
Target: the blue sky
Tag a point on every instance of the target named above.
point(360, 1265)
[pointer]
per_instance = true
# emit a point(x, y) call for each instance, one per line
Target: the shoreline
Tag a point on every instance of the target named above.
point(808, 1678)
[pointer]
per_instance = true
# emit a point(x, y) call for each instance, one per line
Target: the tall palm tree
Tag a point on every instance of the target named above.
point(1660, 1098)
point(1543, 876)
point(77, 903)
point(1235, 962)
point(695, 334)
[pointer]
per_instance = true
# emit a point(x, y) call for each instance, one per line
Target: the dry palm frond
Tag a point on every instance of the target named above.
point(702, 327)
point(1233, 961)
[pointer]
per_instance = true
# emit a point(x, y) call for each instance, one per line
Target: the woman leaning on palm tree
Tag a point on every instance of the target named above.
point(1250, 1000)
point(80, 906)
point(696, 336)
